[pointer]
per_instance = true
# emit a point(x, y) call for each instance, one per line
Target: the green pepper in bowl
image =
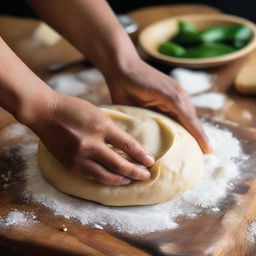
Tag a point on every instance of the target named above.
point(235, 34)
point(171, 49)
point(187, 34)
point(209, 50)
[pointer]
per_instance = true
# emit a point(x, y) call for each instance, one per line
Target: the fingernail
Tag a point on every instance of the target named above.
point(148, 160)
point(125, 181)
point(209, 149)
point(146, 174)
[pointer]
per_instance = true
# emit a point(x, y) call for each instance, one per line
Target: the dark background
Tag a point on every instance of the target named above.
point(244, 8)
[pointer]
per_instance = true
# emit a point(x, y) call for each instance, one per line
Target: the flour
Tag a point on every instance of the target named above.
point(14, 130)
point(211, 100)
point(193, 82)
point(68, 84)
point(19, 219)
point(90, 76)
point(220, 168)
point(77, 83)
point(251, 233)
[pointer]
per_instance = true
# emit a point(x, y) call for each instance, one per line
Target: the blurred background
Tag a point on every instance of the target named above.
point(245, 8)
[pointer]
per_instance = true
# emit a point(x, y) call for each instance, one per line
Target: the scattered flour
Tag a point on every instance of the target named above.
point(211, 100)
point(68, 84)
point(196, 82)
point(193, 82)
point(19, 219)
point(91, 76)
point(96, 226)
point(220, 168)
point(76, 84)
point(14, 130)
point(251, 233)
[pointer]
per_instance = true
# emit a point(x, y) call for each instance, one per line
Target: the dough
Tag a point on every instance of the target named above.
point(179, 161)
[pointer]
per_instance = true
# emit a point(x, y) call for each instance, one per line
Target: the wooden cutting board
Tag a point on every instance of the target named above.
point(220, 234)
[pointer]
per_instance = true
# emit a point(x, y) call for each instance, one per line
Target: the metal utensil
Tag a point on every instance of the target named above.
point(129, 24)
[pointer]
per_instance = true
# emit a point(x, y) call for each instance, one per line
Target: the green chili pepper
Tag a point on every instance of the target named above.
point(187, 34)
point(212, 42)
point(209, 50)
point(185, 27)
point(227, 33)
point(238, 44)
point(171, 49)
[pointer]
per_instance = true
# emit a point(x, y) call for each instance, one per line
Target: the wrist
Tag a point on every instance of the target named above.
point(35, 110)
point(120, 68)
point(22, 93)
point(113, 58)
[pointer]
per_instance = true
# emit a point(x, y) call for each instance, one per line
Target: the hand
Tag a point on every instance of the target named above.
point(146, 87)
point(77, 132)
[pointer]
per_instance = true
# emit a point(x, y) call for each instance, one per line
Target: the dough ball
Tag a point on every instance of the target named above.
point(179, 162)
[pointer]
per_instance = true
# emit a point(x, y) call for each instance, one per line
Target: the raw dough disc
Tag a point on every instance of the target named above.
point(179, 161)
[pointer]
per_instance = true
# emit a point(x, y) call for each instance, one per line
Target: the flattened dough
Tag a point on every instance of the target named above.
point(179, 161)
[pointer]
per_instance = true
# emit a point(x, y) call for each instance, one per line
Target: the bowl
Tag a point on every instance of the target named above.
point(156, 33)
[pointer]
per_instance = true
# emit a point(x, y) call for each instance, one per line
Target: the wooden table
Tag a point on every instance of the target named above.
point(220, 234)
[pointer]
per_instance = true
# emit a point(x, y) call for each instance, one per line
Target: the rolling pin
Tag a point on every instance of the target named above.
point(245, 81)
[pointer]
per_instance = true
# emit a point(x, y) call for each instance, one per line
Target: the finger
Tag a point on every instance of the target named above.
point(184, 111)
point(194, 126)
point(129, 145)
point(189, 120)
point(118, 164)
point(95, 171)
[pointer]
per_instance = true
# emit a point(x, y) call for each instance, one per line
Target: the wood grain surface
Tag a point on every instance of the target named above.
point(219, 234)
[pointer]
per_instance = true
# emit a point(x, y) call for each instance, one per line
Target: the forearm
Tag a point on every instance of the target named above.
point(21, 91)
point(92, 27)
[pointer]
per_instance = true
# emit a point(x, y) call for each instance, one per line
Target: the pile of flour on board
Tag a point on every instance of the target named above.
point(198, 82)
point(193, 82)
point(19, 219)
point(220, 168)
point(76, 83)
point(88, 82)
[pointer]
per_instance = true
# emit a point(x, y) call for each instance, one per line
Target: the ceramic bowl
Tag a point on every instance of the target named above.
point(158, 32)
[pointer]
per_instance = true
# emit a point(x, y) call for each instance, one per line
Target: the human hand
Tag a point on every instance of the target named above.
point(77, 133)
point(142, 85)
